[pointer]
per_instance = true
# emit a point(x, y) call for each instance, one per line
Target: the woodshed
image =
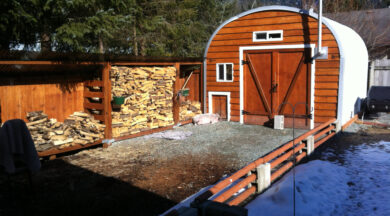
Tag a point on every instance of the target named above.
point(67, 100)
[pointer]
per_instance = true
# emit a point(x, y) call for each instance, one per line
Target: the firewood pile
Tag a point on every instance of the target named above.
point(79, 128)
point(189, 109)
point(148, 103)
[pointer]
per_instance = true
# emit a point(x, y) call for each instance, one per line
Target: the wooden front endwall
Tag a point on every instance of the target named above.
point(297, 29)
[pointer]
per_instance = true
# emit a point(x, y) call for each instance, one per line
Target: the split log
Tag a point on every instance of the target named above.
point(90, 134)
point(36, 122)
point(79, 128)
point(189, 109)
point(61, 142)
point(148, 103)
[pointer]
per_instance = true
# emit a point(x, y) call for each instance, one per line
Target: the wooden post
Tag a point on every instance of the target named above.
point(176, 88)
point(107, 101)
point(201, 87)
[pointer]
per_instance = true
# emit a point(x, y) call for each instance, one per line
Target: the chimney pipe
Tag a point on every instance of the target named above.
point(321, 52)
point(319, 49)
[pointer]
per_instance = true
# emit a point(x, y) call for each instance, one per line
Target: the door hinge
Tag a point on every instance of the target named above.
point(243, 62)
point(245, 112)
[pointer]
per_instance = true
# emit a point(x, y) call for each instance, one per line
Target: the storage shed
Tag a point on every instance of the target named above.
point(262, 62)
point(67, 99)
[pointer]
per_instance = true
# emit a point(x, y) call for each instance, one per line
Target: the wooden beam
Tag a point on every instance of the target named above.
point(191, 63)
point(48, 63)
point(91, 94)
point(92, 83)
point(184, 122)
point(98, 106)
point(142, 133)
point(175, 99)
point(55, 151)
point(154, 63)
point(17, 62)
point(348, 123)
point(143, 63)
point(107, 101)
point(98, 117)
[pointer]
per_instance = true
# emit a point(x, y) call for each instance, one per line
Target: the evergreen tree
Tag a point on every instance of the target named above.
point(29, 22)
point(91, 26)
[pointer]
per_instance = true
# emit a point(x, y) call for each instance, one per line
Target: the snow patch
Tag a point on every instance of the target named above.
point(316, 184)
point(357, 183)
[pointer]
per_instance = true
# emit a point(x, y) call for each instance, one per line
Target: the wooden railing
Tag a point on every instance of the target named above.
point(258, 175)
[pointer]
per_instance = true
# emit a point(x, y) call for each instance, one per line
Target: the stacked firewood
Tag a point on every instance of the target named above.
point(148, 104)
point(189, 109)
point(78, 128)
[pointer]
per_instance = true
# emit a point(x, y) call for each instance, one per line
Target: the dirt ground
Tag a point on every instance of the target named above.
point(146, 176)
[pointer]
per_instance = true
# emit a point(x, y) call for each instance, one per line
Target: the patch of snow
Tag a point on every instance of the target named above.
point(170, 135)
point(320, 188)
point(357, 184)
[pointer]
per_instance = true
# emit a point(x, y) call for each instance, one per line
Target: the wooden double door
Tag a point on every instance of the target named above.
point(274, 82)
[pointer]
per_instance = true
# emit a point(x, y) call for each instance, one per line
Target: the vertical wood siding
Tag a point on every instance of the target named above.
point(52, 99)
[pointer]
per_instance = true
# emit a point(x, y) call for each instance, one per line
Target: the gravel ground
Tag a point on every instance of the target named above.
point(243, 143)
point(140, 176)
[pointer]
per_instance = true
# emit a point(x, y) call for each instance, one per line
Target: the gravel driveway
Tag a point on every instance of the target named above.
point(242, 143)
point(140, 176)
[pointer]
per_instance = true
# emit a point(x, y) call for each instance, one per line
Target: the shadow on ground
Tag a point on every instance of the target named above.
point(64, 189)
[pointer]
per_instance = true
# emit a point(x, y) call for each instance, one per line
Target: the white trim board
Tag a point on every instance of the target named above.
point(294, 46)
point(227, 94)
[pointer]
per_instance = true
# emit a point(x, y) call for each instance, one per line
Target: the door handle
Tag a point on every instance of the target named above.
point(274, 87)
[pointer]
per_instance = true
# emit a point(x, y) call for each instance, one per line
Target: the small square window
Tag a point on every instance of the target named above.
point(225, 72)
point(261, 36)
point(275, 35)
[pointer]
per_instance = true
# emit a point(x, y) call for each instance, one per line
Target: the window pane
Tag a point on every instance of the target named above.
point(261, 36)
point(275, 35)
point(229, 72)
point(221, 72)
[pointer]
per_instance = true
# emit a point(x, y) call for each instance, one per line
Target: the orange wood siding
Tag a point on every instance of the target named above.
point(193, 84)
point(297, 29)
point(54, 100)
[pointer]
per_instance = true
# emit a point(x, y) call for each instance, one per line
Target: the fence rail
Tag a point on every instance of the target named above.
point(256, 177)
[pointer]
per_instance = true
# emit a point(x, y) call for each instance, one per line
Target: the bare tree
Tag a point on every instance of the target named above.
point(372, 25)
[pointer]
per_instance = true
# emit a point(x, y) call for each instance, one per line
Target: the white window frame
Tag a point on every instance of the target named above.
point(267, 36)
point(224, 68)
point(227, 94)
